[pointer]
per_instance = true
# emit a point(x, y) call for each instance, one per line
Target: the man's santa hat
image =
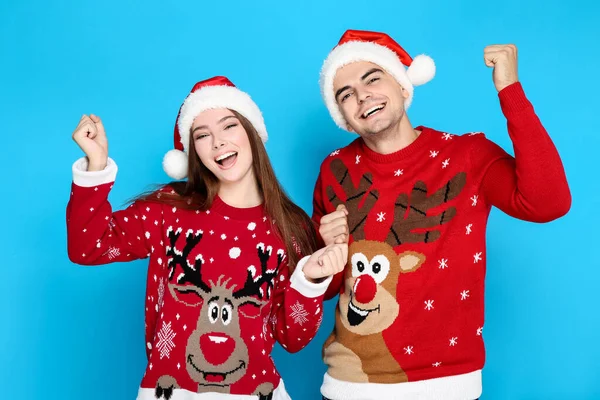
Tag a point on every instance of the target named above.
point(379, 49)
point(217, 92)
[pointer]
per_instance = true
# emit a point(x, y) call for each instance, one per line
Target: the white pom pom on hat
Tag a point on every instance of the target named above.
point(216, 92)
point(175, 164)
point(380, 49)
point(421, 70)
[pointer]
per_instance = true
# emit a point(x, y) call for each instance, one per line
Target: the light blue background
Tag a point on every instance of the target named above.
point(70, 332)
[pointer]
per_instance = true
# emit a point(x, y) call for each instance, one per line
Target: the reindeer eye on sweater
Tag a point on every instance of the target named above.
point(380, 268)
point(213, 312)
point(226, 314)
point(361, 266)
point(376, 268)
point(359, 263)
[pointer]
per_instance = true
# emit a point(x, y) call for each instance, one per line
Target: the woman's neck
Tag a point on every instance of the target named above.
point(241, 194)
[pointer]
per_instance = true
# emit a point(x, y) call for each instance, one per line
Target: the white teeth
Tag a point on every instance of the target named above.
point(226, 155)
point(217, 339)
point(372, 109)
point(360, 312)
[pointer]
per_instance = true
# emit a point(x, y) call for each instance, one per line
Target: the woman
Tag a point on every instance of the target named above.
point(226, 275)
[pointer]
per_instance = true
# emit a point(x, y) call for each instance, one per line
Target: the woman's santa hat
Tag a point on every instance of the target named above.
point(217, 92)
point(379, 49)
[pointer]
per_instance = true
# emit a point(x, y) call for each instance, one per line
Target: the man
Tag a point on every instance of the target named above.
point(413, 203)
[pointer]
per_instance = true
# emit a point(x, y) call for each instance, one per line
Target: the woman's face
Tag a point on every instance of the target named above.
point(222, 145)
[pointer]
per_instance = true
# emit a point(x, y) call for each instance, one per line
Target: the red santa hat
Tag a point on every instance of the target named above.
point(217, 92)
point(379, 49)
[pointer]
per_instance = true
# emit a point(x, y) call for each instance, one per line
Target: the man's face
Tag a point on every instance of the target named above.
point(370, 99)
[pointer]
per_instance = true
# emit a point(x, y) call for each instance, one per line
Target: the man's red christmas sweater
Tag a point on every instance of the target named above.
point(410, 315)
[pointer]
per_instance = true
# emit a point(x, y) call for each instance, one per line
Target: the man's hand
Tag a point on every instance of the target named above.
point(334, 226)
point(503, 58)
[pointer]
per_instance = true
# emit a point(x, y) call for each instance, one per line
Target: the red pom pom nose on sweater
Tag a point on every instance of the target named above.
point(216, 347)
point(365, 289)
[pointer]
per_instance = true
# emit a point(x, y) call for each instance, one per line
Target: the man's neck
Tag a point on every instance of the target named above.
point(393, 140)
point(242, 194)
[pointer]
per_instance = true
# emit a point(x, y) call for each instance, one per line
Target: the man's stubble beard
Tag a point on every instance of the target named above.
point(384, 127)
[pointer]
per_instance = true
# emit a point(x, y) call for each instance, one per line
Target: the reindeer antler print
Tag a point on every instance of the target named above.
point(255, 281)
point(191, 273)
point(402, 230)
point(357, 215)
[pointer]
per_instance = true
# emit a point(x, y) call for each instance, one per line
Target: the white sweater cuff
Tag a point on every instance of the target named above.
point(84, 178)
point(304, 286)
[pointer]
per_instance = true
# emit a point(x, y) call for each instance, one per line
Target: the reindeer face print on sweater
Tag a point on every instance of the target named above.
point(216, 356)
point(369, 304)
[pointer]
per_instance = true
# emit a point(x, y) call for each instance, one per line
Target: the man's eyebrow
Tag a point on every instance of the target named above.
point(369, 72)
point(340, 91)
point(362, 78)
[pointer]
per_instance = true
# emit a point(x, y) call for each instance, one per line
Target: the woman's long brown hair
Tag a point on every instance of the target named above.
point(293, 226)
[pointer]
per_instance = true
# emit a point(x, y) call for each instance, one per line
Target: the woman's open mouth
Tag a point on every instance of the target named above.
point(226, 160)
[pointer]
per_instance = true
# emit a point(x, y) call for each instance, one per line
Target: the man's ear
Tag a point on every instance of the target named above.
point(349, 128)
point(405, 93)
